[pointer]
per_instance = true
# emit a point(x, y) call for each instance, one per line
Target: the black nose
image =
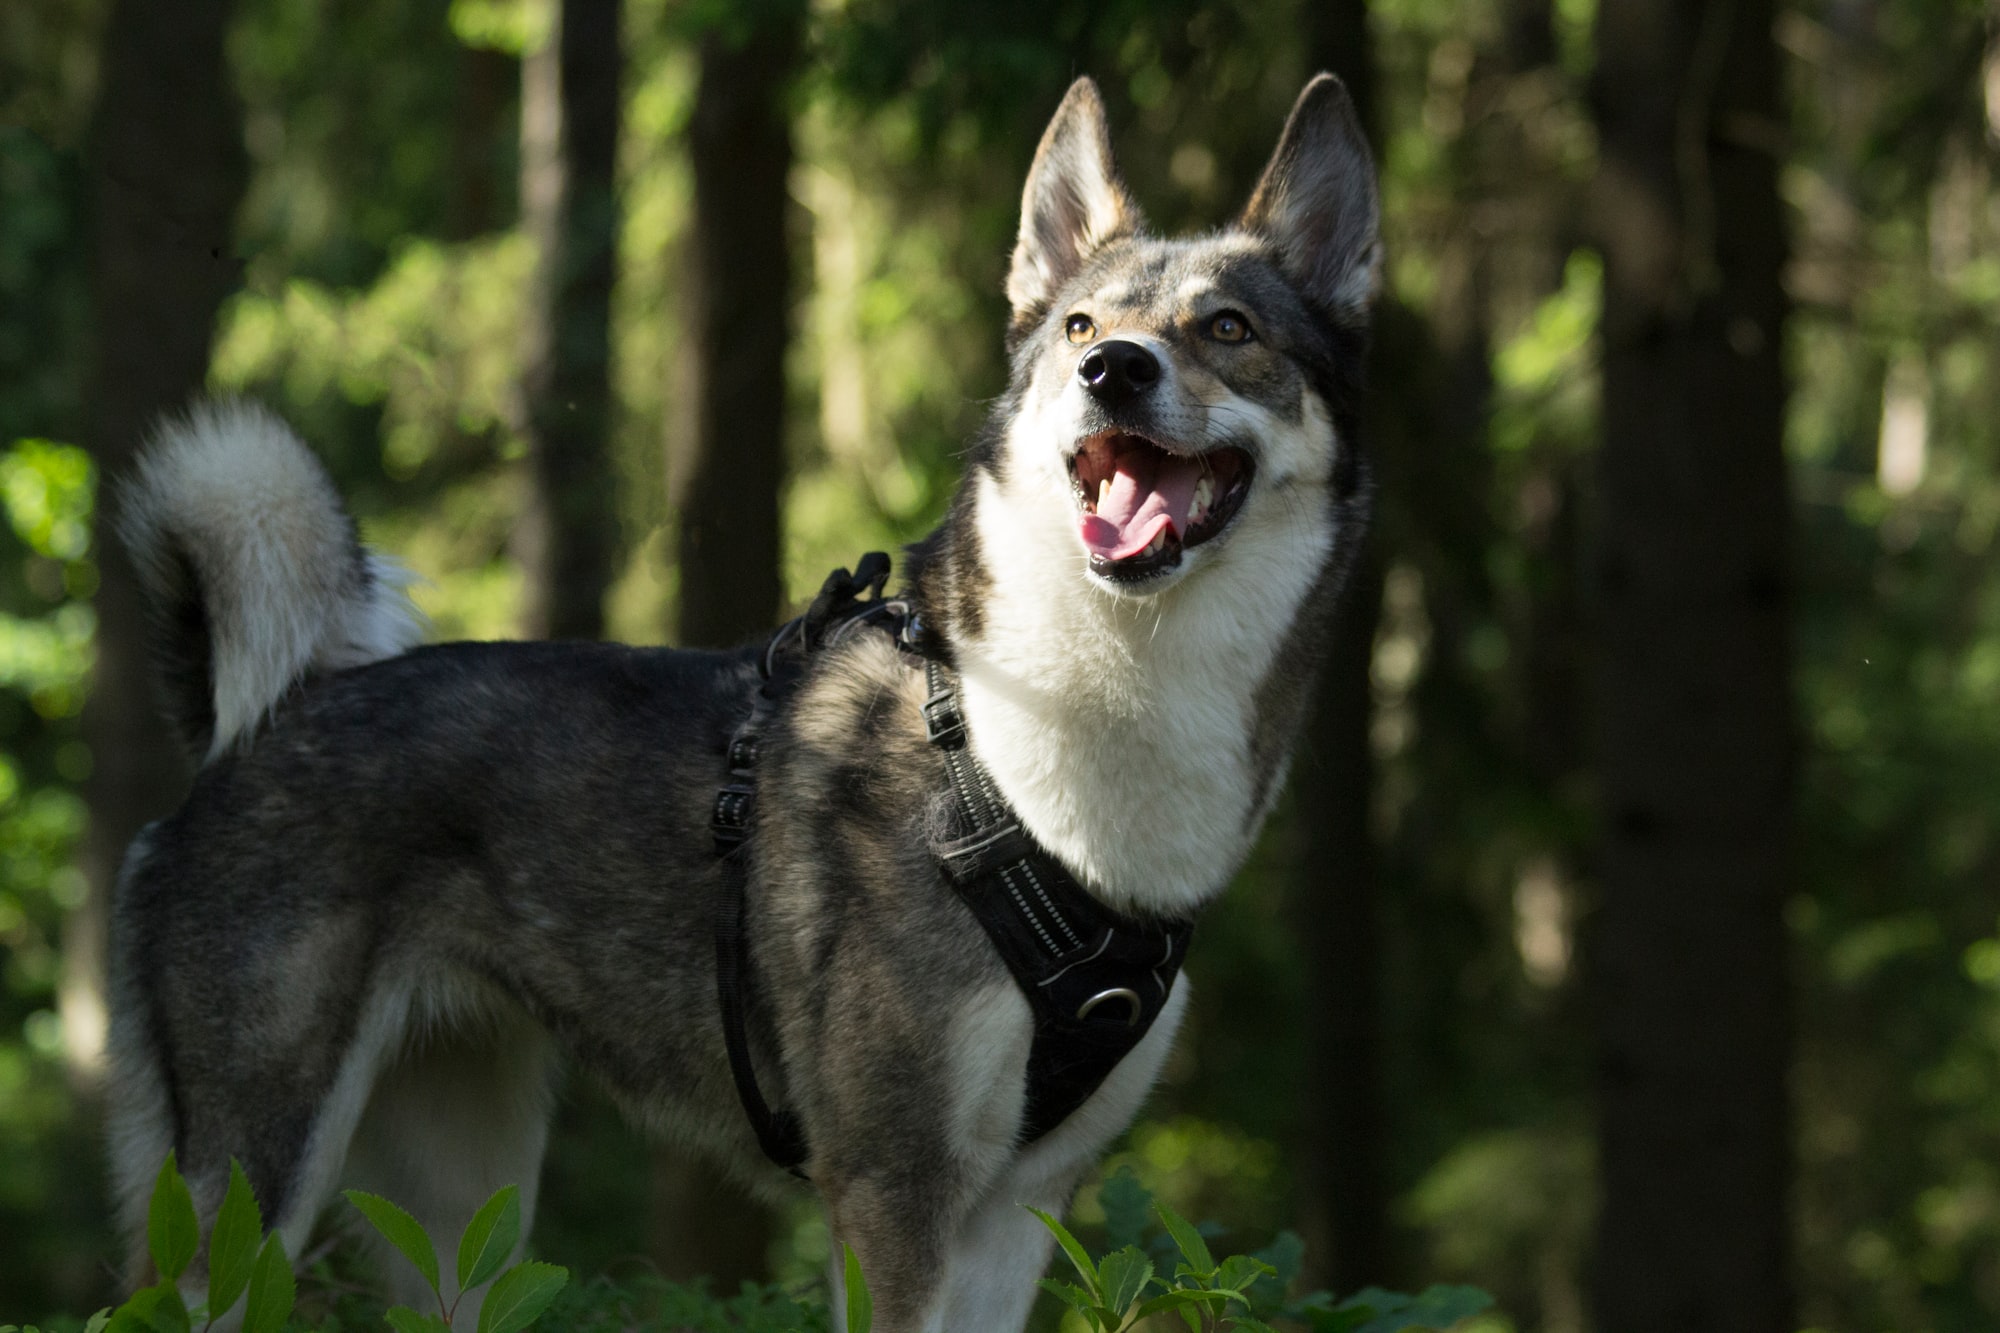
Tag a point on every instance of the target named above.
point(1117, 371)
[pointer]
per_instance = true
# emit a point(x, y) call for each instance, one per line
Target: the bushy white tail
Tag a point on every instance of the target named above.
point(253, 570)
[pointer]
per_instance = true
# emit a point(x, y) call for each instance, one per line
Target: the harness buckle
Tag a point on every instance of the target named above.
point(943, 723)
point(731, 821)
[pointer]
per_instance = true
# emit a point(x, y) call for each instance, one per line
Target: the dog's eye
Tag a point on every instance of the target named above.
point(1229, 327)
point(1080, 329)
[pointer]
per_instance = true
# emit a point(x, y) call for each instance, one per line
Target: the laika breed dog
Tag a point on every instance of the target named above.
point(897, 900)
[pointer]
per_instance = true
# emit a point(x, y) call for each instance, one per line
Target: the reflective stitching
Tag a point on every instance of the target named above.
point(1035, 883)
point(1006, 877)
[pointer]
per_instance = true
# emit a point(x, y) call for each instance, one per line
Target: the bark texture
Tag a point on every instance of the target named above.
point(568, 539)
point(167, 172)
point(1344, 1213)
point(726, 467)
point(727, 463)
point(1694, 712)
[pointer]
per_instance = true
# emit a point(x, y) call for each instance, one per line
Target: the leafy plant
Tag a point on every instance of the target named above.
point(518, 1296)
point(260, 1275)
point(238, 1267)
point(860, 1305)
point(1242, 1291)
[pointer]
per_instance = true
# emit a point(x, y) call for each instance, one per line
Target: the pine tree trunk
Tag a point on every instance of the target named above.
point(726, 464)
point(728, 460)
point(568, 537)
point(167, 172)
point(1344, 1204)
point(1694, 710)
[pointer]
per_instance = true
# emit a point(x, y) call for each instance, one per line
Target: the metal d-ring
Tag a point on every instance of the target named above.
point(1131, 997)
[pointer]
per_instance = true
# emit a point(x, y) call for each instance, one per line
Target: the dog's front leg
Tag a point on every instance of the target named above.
point(1001, 1248)
point(917, 1128)
point(897, 1234)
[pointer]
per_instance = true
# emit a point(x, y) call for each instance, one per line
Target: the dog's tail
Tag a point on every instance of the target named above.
point(255, 576)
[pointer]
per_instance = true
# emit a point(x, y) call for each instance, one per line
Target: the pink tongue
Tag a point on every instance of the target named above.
point(1149, 491)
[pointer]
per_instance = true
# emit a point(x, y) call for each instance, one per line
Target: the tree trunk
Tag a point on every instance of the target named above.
point(729, 456)
point(726, 464)
point(568, 537)
point(1694, 708)
point(167, 172)
point(1344, 1213)
point(1344, 1204)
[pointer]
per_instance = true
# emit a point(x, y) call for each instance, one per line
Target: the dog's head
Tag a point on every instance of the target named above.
point(1188, 400)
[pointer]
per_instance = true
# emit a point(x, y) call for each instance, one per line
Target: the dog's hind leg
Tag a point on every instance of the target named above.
point(264, 1055)
point(462, 1111)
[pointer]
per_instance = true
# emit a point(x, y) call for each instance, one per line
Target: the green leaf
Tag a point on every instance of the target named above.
point(1128, 1208)
point(232, 1246)
point(1182, 1299)
point(1239, 1271)
point(154, 1309)
point(1192, 1246)
point(860, 1305)
point(131, 1315)
point(1286, 1255)
point(172, 1234)
point(1075, 1251)
point(97, 1322)
point(489, 1238)
point(519, 1295)
point(1438, 1307)
point(400, 1230)
point(1075, 1297)
point(1122, 1275)
point(405, 1320)
point(272, 1290)
point(1243, 1323)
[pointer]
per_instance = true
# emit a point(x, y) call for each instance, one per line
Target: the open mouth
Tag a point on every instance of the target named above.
point(1143, 505)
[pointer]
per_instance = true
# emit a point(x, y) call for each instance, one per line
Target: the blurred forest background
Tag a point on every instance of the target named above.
point(1636, 893)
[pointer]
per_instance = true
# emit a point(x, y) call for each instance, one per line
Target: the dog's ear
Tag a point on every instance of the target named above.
point(1317, 204)
point(1073, 203)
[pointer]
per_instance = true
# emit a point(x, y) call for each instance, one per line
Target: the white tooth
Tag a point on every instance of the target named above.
point(1103, 491)
point(1204, 495)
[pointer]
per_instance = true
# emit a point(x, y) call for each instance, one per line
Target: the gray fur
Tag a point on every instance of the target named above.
point(353, 953)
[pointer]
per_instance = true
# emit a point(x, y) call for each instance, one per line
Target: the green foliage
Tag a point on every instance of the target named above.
point(860, 1305)
point(172, 1233)
point(232, 1245)
point(400, 1230)
point(489, 1238)
point(237, 1268)
point(1124, 1288)
point(518, 1295)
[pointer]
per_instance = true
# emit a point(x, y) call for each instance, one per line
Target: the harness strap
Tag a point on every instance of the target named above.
point(1095, 980)
point(837, 609)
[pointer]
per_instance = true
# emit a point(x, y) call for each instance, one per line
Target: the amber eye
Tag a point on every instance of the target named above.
point(1080, 329)
point(1229, 327)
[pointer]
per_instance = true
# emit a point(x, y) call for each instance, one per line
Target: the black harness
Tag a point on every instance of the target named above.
point(1094, 979)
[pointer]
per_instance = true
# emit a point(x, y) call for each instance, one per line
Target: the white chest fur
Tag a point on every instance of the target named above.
point(1120, 728)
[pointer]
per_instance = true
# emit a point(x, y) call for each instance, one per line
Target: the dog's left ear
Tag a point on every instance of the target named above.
point(1317, 204)
point(1073, 204)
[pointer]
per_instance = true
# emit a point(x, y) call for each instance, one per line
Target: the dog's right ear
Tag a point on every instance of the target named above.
point(1072, 205)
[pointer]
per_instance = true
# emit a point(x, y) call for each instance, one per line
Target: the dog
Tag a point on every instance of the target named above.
point(409, 881)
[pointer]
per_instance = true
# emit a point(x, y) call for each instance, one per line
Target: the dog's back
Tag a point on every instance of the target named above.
point(342, 959)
